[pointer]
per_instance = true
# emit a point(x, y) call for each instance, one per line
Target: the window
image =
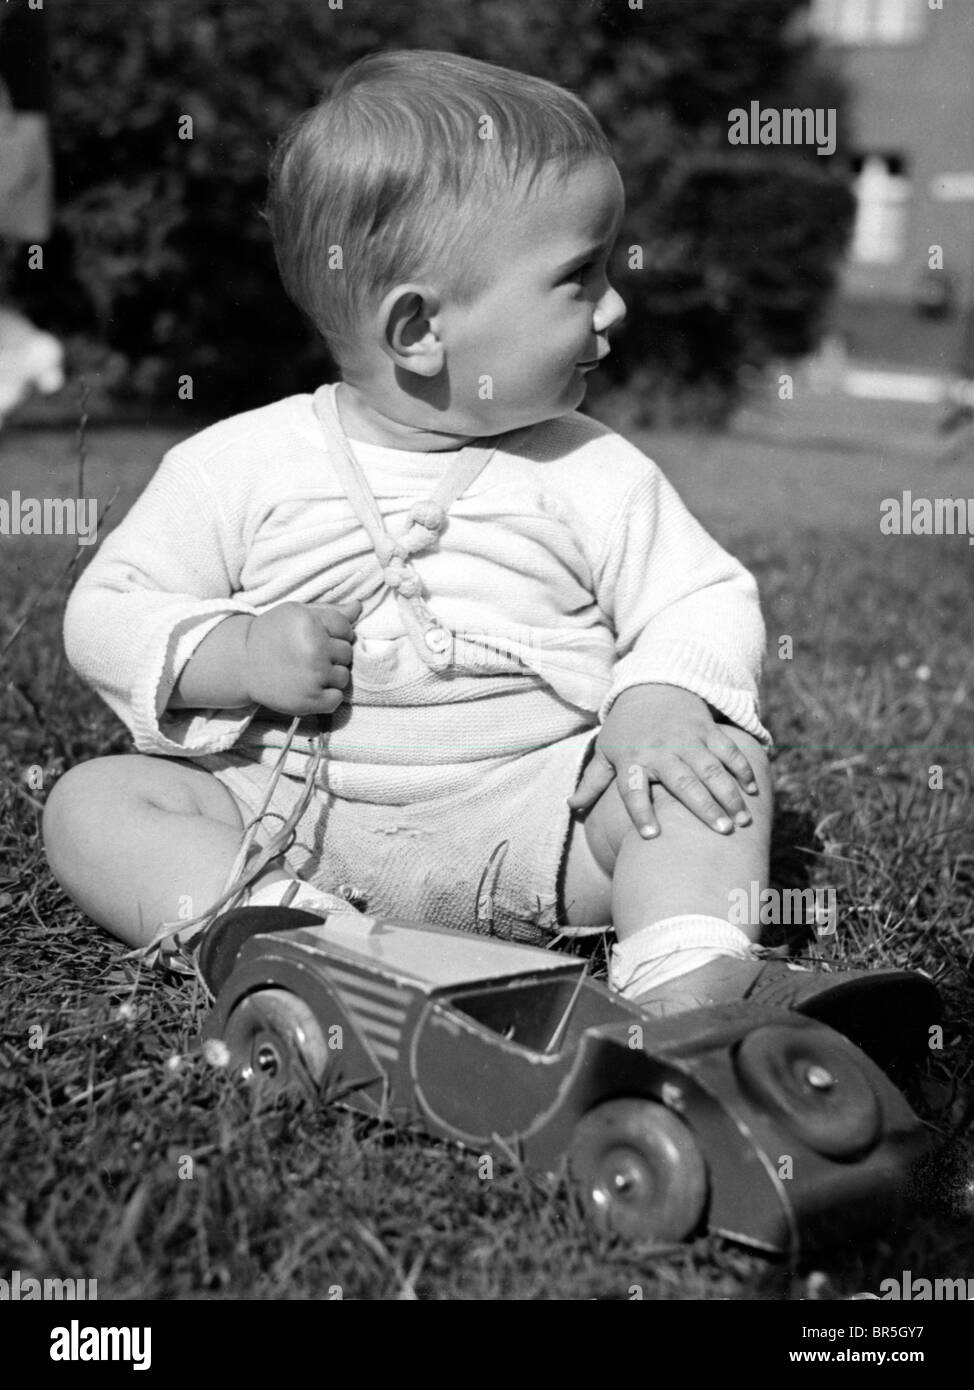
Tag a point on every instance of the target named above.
point(868, 21)
point(883, 196)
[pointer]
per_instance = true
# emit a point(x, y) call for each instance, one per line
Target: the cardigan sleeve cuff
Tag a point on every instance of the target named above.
point(695, 669)
point(176, 733)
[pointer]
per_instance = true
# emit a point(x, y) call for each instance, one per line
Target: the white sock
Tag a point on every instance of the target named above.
point(308, 897)
point(666, 950)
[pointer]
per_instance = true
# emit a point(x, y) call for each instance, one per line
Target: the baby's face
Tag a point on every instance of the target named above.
point(521, 351)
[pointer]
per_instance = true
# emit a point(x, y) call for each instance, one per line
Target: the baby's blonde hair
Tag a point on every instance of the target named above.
point(399, 171)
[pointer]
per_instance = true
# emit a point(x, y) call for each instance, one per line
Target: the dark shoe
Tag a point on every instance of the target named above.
point(888, 1013)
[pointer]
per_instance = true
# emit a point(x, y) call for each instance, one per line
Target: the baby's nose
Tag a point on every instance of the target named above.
point(610, 312)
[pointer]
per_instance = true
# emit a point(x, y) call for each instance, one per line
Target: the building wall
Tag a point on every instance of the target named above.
point(910, 68)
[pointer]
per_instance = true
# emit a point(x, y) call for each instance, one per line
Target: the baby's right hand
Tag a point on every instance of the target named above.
point(299, 656)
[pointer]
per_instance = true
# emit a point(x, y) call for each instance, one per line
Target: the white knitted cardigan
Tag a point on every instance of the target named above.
point(571, 559)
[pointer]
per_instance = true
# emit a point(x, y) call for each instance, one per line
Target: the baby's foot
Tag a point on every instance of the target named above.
point(888, 1013)
point(724, 980)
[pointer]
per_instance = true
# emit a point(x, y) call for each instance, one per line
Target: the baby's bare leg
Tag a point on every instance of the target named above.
point(136, 841)
point(611, 874)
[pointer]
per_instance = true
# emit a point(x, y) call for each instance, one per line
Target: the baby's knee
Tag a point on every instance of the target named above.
point(74, 790)
point(130, 781)
point(106, 796)
point(76, 799)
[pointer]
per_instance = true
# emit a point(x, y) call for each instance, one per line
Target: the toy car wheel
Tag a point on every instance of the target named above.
point(639, 1171)
point(814, 1083)
point(275, 1041)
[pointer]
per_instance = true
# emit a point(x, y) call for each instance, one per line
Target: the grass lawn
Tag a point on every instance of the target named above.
point(103, 1098)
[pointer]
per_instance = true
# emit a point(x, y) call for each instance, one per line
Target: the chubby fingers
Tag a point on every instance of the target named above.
point(335, 623)
point(634, 790)
point(721, 769)
point(337, 646)
point(733, 759)
point(598, 773)
point(705, 777)
point(339, 652)
point(700, 781)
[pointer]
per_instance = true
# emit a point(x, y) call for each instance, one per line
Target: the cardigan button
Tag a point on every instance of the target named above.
point(437, 639)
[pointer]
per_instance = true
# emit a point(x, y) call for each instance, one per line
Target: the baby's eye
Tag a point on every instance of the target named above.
point(579, 273)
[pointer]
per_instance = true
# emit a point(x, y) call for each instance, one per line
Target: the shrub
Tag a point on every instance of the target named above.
point(160, 253)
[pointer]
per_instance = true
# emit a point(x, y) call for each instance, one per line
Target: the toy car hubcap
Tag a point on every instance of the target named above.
point(638, 1171)
point(811, 1079)
point(275, 1040)
point(267, 1059)
point(625, 1178)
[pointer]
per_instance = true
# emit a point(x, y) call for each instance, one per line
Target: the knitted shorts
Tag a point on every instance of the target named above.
point(425, 861)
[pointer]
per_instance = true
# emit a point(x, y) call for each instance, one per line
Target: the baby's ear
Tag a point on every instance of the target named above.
point(406, 324)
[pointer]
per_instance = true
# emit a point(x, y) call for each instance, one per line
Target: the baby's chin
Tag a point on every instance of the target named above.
point(462, 420)
point(489, 422)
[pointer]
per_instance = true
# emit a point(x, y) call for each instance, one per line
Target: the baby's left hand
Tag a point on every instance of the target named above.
point(660, 733)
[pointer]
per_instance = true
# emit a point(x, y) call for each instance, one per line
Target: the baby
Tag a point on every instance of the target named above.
point(516, 648)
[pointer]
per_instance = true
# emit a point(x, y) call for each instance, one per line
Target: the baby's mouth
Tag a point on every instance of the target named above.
point(594, 361)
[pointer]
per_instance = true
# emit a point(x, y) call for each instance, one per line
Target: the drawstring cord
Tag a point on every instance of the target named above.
point(425, 520)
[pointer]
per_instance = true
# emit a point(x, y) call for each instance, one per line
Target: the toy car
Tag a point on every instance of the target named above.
point(758, 1124)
